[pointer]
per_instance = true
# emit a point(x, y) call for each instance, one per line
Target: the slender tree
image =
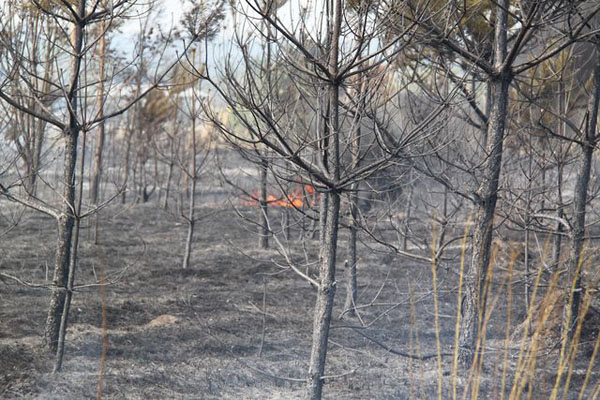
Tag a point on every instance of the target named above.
point(76, 19)
point(517, 29)
point(320, 154)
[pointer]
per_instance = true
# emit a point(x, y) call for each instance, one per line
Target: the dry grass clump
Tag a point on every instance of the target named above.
point(542, 357)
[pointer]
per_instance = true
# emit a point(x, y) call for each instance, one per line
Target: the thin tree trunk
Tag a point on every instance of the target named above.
point(563, 107)
point(323, 206)
point(192, 175)
point(191, 224)
point(351, 277)
point(62, 332)
point(133, 125)
point(475, 299)
point(263, 239)
point(96, 174)
point(97, 161)
point(168, 184)
point(143, 190)
point(560, 214)
point(191, 218)
point(580, 194)
point(38, 140)
point(313, 223)
point(443, 226)
point(135, 179)
point(326, 289)
point(407, 217)
point(173, 149)
point(528, 220)
point(126, 161)
point(155, 182)
point(66, 219)
point(63, 246)
point(30, 122)
point(325, 297)
point(286, 224)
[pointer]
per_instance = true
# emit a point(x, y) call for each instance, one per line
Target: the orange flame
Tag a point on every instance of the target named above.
point(296, 198)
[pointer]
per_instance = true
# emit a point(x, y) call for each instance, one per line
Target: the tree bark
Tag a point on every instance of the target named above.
point(326, 289)
point(38, 139)
point(63, 246)
point(134, 126)
point(351, 277)
point(475, 299)
point(580, 194)
point(126, 161)
point(556, 252)
point(66, 219)
point(325, 297)
point(64, 320)
point(192, 175)
point(323, 206)
point(168, 184)
point(97, 161)
point(263, 239)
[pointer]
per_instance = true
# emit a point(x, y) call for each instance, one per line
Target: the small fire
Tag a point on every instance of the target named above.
point(299, 196)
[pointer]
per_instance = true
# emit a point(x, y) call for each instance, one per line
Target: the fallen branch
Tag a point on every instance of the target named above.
point(398, 352)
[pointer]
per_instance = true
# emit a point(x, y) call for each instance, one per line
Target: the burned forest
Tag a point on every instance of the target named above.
point(299, 199)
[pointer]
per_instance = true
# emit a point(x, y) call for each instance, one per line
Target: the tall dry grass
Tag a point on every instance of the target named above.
point(540, 356)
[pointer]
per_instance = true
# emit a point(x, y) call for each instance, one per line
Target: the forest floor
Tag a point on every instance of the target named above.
point(236, 324)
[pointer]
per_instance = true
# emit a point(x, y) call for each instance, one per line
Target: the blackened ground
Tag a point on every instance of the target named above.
point(198, 333)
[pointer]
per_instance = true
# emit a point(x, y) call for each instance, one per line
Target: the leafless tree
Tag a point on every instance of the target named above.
point(70, 116)
point(517, 38)
point(333, 54)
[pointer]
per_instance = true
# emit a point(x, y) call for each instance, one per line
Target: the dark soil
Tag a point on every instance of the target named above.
point(214, 338)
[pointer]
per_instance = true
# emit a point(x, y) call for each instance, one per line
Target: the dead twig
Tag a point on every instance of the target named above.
point(398, 352)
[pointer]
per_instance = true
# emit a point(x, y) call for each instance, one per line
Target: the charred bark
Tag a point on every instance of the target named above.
point(66, 222)
point(97, 161)
point(66, 219)
point(475, 298)
point(580, 196)
point(327, 284)
point(325, 297)
point(263, 240)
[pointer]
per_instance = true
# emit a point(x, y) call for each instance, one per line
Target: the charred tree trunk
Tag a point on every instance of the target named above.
point(325, 297)
point(38, 137)
point(64, 320)
point(63, 247)
point(528, 211)
point(143, 189)
point(125, 172)
point(556, 252)
point(327, 284)
point(323, 206)
point(487, 196)
point(351, 277)
point(134, 128)
point(193, 177)
point(168, 184)
point(407, 212)
point(191, 220)
point(97, 161)
point(96, 174)
point(66, 219)
point(580, 194)
point(97, 166)
point(263, 239)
